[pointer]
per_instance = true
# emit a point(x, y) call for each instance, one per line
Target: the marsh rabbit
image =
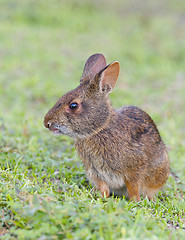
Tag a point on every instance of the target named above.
point(120, 149)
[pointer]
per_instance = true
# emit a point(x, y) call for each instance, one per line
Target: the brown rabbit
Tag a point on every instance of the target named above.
point(120, 149)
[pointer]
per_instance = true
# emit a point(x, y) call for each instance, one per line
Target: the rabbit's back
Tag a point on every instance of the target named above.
point(142, 132)
point(140, 125)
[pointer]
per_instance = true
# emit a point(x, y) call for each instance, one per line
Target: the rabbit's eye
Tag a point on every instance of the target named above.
point(73, 106)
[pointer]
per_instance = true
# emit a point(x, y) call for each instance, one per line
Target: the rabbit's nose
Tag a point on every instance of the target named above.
point(49, 124)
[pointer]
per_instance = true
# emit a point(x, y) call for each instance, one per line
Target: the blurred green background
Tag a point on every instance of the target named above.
point(43, 48)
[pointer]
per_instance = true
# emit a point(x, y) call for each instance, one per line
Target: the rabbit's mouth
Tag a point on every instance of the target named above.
point(63, 130)
point(60, 129)
point(55, 131)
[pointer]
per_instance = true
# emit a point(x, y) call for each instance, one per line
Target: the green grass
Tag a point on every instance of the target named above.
point(43, 47)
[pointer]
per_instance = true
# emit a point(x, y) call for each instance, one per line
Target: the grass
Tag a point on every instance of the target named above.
point(44, 45)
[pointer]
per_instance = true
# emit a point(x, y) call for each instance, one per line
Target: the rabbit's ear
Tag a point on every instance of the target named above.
point(94, 65)
point(109, 77)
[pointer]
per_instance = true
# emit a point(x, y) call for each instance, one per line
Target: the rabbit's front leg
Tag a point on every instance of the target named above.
point(103, 188)
point(100, 185)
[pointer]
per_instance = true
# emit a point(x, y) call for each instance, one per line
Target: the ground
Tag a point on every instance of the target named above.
point(44, 193)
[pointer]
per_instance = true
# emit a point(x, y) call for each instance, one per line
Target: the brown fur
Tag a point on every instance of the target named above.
point(119, 149)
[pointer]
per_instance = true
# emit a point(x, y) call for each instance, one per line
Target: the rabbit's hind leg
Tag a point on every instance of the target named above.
point(133, 189)
point(149, 192)
point(151, 185)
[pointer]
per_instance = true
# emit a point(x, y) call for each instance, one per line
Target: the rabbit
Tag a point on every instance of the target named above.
point(121, 150)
